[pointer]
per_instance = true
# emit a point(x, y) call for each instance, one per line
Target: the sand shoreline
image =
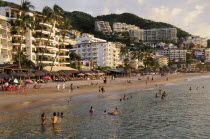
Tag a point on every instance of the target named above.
point(11, 102)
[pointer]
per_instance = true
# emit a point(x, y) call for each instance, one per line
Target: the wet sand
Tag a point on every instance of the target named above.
point(11, 103)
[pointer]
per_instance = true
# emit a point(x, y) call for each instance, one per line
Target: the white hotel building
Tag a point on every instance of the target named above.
point(31, 39)
point(5, 39)
point(100, 51)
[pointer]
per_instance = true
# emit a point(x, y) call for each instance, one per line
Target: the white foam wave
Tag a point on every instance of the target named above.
point(195, 78)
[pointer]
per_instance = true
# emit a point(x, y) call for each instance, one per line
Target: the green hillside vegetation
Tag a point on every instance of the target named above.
point(129, 18)
point(10, 4)
point(85, 22)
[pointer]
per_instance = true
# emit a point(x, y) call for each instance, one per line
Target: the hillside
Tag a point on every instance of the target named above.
point(138, 21)
point(85, 22)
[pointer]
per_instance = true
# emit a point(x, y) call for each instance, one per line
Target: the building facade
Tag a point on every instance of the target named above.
point(161, 34)
point(123, 27)
point(44, 42)
point(100, 51)
point(103, 26)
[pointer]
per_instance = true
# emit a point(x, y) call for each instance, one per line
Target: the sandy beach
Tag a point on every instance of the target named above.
point(12, 102)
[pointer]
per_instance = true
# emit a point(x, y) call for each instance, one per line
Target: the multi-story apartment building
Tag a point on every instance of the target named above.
point(123, 27)
point(162, 61)
point(161, 34)
point(44, 40)
point(75, 33)
point(172, 54)
point(207, 55)
point(5, 39)
point(139, 34)
point(103, 26)
point(100, 51)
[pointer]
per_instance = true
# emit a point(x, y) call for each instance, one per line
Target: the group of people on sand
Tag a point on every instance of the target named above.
point(163, 95)
point(115, 112)
point(54, 118)
point(196, 88)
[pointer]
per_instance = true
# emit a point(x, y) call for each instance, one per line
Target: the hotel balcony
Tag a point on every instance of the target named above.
point(3, 27)
point(45, 24)
point(65, 50)
point(43, 31)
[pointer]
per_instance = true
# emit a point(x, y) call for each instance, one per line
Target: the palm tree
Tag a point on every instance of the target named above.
point(22, 23)
point(44, 18)
point(75, 57)
point(55, 17)
point(64, 30)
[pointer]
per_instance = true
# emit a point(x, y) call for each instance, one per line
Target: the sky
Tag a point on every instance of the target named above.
point(189, 15)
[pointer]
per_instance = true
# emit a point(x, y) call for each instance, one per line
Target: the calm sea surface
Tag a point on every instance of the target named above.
point(182, 114)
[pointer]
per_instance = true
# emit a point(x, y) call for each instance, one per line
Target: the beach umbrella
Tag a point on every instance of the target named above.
point(13, 74)
point(21, 74)
point(39, 73)
point(47, 78)
point(61, 73)
point(28, 81)
point(54, 73)
point(47, 73)
point(81, 74)
point(30, 74)
point(89, 74)
point(3, 75)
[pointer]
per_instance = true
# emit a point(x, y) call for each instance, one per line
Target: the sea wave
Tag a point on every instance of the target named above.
point(196, 78)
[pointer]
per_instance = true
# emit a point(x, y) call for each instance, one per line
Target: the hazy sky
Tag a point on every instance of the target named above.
point(190, 15)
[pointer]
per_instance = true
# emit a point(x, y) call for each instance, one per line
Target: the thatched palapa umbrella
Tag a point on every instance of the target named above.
point(3, 75)
point(39, 73)
point(30, 74)
point(13, 74)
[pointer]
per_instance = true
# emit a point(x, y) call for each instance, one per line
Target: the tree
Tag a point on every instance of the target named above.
point(24, 61)
point(22, 24)
point(44, 18)
point(64, 30)
point(54, 18)
point(76, 58)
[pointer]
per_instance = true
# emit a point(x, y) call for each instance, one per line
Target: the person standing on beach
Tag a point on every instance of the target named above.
point(43, 118)
point(58, 86)
point(102, 90)
point(146, 83)
point(63, 85)
point(71, 87)
point(54, 118)
point(99, 90)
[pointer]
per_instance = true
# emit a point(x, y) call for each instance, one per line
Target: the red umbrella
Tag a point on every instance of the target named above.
point(47, 78)
point(28, 81)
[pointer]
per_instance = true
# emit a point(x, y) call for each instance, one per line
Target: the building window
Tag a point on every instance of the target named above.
point(7, 14)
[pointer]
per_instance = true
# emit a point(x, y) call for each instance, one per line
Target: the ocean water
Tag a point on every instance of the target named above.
point(182, 114)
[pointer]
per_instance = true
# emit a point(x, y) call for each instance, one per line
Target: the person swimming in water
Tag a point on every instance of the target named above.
point(164, 94)
point(105, 112)
point(190, 88)
point(54, 118)
point(91, 109)
point(115, 112)
point(124, 97)
point(43, 118)
point(156, 95)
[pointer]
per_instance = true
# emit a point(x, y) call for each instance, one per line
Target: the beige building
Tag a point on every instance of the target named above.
point(196, 40)
point(123, 27)
point(42, 33)
point(139, 34)
point(103, 26)
point(161, 34)
point(163, 61)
